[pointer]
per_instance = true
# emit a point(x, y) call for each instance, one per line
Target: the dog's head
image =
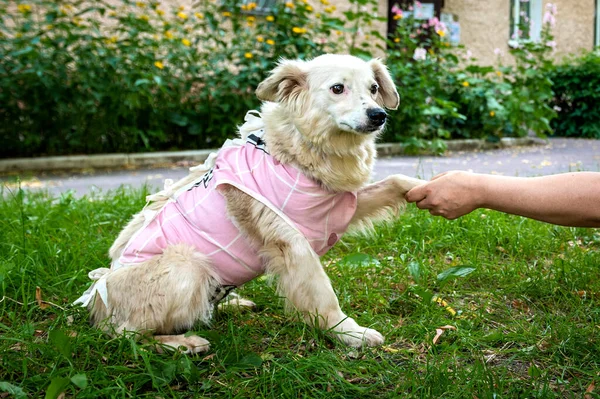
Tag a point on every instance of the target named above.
point(344, 91)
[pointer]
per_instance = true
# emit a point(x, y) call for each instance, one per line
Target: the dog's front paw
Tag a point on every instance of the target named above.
point(183, 344)
point(350, 333)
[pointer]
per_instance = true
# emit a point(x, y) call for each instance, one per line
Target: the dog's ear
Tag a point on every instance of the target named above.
point(285, 82)
point(387, 96)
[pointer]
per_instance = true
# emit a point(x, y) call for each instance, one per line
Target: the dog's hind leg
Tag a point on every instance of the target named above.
point(161, 296)
point(302, 280)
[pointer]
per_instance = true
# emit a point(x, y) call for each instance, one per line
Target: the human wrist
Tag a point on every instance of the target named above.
point(479, 190)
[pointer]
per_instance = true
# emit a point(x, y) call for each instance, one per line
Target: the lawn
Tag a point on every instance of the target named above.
point(523, 296)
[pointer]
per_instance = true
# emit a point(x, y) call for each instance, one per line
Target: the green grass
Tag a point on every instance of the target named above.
point(525, 326)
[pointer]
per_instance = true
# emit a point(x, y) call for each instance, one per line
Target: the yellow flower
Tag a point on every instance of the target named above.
point(250, 19)
point(298, 30)
point(309, 8)
point(144, 17)
point(244, 7)
point(199, 15)
point(160, 12)
point(325, 2)
point(329, 9)
point(24, 8)
point(186, 42)
point(270, 42)
point(492, 114)
point(168, 34)
point(159, 65)
point(317, 15)
point(182, 15)
point(338, 32)
point(498, 73)
point(226, 14)
point(270, 18)
point(76, 21)
point(140, 4)
point(181, 8)
point(251, 6)
point(440, 32)
point(465, 83)
point(112, 14)
point(397, 17)
point(289, 4)
point(260, 39)
point(248, 55)
point(113, 39)
point(396, 40)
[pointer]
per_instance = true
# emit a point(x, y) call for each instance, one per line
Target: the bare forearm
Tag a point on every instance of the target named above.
point(570, 199)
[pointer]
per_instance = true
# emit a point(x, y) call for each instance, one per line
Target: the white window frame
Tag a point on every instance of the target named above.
point(597, 36)
point(536, 10)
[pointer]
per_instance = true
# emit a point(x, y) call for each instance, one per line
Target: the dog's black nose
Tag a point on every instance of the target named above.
point(376, 116)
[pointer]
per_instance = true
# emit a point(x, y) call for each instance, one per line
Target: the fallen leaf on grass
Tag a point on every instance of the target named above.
point(389, 349)
point(38, 298)
point(589, 390)
point(440, 330)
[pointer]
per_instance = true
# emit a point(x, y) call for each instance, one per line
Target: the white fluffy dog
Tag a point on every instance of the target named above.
point(270, 202)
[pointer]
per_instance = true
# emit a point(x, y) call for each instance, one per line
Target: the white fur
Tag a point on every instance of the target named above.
point(330, 138)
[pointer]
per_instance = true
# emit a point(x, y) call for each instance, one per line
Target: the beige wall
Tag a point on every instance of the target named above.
point(485, 26)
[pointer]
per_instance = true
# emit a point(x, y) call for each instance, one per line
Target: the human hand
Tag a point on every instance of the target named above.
point(449, 194)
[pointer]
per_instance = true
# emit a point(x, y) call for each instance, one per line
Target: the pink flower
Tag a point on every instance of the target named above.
point(498, 52)
point(433, 21)
point(418, 4)
point(420, 54)
point(549, 18)
point(397, 10)
point(551, 44)
point(410, 8)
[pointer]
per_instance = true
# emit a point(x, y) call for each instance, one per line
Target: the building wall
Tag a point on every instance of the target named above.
point(485, 26)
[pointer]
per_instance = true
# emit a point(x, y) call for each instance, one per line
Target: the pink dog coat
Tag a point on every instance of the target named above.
point(196, 215)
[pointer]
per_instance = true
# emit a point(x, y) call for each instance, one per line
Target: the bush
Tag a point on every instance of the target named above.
point(576, 84)
point(446, 95)
point(138, 76)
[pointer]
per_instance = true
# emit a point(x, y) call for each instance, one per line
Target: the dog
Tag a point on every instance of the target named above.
point(271, 201)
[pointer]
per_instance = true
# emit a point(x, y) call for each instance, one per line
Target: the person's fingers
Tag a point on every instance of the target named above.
point(423, 204)
point(439, 175)
point(416, 194)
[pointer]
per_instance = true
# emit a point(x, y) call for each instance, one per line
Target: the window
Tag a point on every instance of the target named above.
point(525, 20)
point(597, 36)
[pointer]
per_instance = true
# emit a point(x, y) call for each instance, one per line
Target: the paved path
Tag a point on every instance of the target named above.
point(559, 155)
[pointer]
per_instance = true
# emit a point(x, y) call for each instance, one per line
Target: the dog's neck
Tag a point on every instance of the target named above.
point(343, 163)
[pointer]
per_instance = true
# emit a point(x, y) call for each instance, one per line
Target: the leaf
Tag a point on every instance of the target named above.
point(456, 271)
point(14, 390)
point(60, 340)
point(423, 293)
point(141, 82)
point(360, 260)
point(80, 380)
point(38, 298)
point(414, 269)
point(57, 386)
point(534, 371)
point(440, 330)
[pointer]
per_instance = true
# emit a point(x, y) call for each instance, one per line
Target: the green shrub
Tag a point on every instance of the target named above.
point(139, 76)
point(576, 85)
point(445, 94)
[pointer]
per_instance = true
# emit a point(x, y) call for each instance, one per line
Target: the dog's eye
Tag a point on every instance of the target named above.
point(337, 89)
point(374, 89)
